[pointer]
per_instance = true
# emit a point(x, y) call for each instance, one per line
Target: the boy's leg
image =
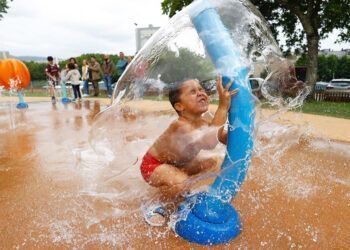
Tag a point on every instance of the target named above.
point(199, 165)
point(170, 180)
point(52, 88)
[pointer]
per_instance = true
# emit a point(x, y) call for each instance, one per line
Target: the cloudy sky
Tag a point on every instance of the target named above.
point(65, 28)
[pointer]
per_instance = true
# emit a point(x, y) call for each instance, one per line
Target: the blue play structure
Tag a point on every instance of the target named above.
point(21, 104)
point(64, 99)
point(212, 219)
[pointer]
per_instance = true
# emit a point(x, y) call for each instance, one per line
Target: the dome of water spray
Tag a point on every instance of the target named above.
point(176, 53)
point(140, 112)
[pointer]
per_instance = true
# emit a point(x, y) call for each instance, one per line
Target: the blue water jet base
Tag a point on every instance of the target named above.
point(209, 222)
point(65, 100)
point(22, 105)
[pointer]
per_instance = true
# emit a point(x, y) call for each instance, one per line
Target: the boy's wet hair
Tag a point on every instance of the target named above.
point(175, 92)
point(50, 58)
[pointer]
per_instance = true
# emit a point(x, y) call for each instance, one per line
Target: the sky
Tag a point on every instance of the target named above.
point(65, 28)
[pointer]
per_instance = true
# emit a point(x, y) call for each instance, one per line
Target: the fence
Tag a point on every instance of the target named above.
point(332, 95)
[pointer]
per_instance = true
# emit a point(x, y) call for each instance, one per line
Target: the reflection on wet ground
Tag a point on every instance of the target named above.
point(55, 191)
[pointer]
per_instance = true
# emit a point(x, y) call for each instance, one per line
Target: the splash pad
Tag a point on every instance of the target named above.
point(73, 199)
point(83, 197)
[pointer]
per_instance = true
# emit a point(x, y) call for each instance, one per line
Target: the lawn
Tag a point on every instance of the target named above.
point(336, 109)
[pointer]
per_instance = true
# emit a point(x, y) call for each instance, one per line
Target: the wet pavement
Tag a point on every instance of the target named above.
point(56, 192)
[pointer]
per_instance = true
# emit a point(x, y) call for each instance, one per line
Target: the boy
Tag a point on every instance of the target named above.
point(52, 72)
point(172, 159)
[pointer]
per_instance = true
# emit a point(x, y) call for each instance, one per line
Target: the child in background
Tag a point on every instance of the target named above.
point(52, 71)
point(73, 75)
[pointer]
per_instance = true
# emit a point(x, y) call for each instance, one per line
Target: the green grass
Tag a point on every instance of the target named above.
point(326, 108)
point(335, 109)
point(156, 98)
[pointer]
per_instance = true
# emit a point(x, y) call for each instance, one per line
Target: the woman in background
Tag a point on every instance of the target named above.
point(85, 77)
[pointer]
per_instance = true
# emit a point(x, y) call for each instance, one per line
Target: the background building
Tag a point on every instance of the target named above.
point(143, 34)
point(4, 54)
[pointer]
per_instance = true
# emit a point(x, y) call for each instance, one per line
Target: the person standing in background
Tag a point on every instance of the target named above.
point(74, 61)
point(130, 59)
point(108, 68)
point(52, 71)
point(95, 74)
point(85, 78)
point(73, 75)
point(121, 64)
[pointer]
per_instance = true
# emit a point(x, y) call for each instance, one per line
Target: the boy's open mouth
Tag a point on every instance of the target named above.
point(203, 101)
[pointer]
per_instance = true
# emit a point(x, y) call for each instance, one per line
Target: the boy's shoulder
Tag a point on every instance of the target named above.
point(180, 126)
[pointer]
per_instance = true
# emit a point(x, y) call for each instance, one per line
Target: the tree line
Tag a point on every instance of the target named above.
point(171, 66)
point(329, 67)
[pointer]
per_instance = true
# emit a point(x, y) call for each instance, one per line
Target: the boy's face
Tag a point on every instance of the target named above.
point(193, 98)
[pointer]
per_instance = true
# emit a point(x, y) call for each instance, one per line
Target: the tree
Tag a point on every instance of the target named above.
point(303, 22)
point(171, 66)
point(3, 7)
point(329, 67)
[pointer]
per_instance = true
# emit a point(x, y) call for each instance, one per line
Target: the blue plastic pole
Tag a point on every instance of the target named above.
point(212, 220)
point(64, 99)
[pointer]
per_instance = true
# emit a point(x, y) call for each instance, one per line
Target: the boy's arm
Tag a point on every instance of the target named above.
point(222, 135)
point(49, 75)
point(209, 141)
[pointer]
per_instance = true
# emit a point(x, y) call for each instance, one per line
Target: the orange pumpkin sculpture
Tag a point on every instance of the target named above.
point(14, 74)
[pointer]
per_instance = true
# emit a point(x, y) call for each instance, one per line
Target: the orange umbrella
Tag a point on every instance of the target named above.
point(14, 74)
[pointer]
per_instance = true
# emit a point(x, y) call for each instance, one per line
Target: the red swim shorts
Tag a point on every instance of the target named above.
point(148, 165)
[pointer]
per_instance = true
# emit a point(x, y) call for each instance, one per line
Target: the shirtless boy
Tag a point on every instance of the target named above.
point(173, 158)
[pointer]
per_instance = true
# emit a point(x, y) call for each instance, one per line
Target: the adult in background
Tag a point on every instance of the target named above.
point(108, 68)
point(52, 71)
point(121, 64)
point(95, 70)
point(85, 77)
